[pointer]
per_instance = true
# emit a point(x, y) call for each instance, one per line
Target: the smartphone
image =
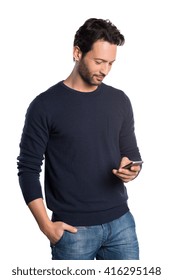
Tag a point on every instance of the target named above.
point(133, 163)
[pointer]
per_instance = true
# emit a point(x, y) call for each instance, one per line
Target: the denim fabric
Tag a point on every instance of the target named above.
point(116, 240)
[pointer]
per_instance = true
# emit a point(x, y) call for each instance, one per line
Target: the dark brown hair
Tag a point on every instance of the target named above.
point(97, 29)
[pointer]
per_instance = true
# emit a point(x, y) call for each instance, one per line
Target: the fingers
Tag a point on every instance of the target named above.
point(125, 175)
point(136, 168)
point(57, 231)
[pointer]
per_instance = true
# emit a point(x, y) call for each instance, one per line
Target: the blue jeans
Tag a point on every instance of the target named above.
point(116, 240)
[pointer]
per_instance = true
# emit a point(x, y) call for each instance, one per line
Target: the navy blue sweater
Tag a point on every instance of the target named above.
point(82, 137)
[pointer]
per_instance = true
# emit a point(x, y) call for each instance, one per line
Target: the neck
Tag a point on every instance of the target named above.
point(75, 82)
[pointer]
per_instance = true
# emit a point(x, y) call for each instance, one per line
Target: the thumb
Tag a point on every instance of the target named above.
point(114, 171)
point(69, 228)
point(124, 161)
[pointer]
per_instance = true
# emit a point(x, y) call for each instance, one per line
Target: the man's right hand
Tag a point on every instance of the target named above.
point(55, 230)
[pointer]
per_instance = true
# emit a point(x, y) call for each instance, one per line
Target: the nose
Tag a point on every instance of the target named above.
point(105, 69)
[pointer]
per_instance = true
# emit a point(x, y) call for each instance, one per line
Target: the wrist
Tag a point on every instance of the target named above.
point(46, 226)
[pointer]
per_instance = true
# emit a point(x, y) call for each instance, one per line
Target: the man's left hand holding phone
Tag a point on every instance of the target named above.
point(127, 175)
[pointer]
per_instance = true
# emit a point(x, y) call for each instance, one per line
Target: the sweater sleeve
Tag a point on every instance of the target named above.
point(32, 148)
point(128, 142)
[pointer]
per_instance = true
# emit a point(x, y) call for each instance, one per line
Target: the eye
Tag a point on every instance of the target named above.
point(98, 62)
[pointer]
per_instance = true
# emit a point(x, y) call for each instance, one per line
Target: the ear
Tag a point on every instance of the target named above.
point(77, 54)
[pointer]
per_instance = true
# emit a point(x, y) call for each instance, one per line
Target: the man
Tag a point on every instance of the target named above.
point(85, 130)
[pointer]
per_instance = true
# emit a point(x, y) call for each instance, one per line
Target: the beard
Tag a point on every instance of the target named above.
point(87, 77)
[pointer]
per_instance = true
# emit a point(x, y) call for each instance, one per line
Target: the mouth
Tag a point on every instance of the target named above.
point(99, 77)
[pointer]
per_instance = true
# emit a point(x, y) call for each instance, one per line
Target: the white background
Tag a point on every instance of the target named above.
point(36, 52)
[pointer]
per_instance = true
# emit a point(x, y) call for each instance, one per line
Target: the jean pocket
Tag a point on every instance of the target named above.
point(58, 241)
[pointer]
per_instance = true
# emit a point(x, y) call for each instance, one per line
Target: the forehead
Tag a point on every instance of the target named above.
point(103, 50)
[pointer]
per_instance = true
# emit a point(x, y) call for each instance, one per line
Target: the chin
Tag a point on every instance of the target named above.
point(96, 83)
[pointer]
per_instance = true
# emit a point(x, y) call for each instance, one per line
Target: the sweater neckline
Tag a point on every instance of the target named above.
point(71, 90)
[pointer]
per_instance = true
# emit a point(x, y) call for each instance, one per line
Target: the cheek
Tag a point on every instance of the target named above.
point(96, 68)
